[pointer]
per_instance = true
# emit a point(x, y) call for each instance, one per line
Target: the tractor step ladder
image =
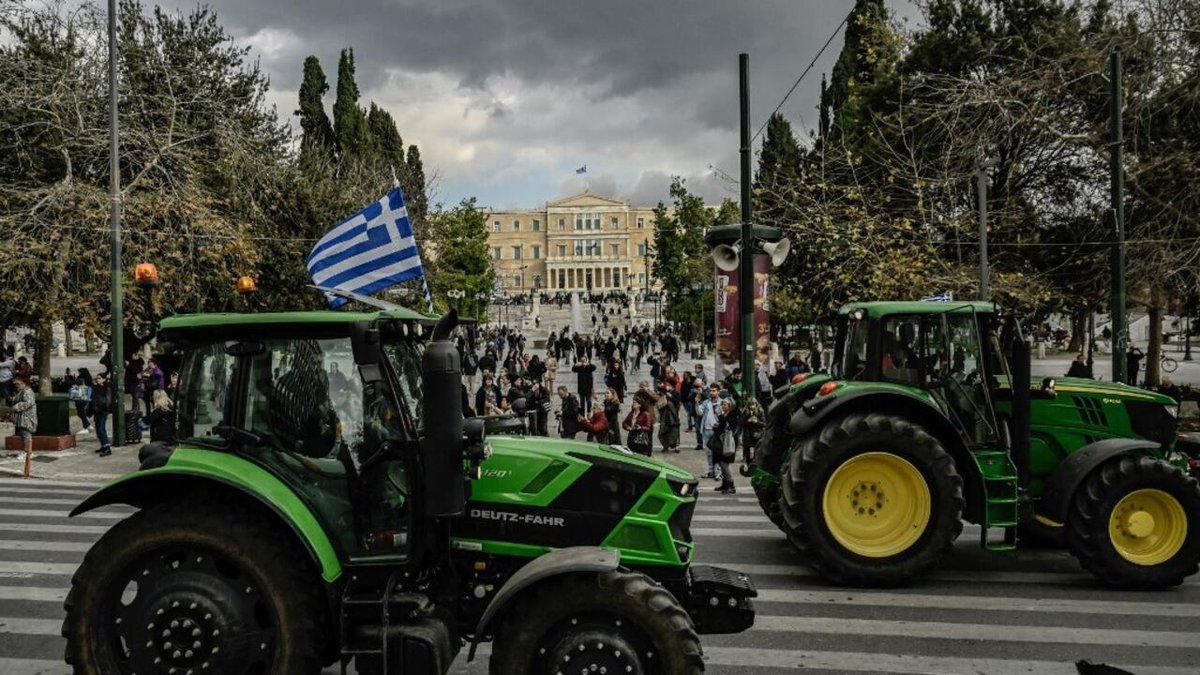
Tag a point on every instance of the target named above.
point(365, 606)
point(1000, 507)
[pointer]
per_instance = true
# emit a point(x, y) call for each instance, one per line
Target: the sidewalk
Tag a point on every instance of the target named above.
point(80, 463)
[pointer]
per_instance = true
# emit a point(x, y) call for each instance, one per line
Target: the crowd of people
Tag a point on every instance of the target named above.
point(642, 396)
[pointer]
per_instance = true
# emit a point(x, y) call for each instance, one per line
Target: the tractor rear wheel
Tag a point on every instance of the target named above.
point(614, 622)
point(872, 500)
point(768, 501)
point(194, 588)
point(1131, 524)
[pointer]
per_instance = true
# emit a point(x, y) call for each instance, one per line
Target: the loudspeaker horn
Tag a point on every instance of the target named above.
point(726, 257)
point(778, 251)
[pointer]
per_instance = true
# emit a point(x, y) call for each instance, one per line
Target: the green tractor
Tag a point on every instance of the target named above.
point(929, 418)
point(327, 502)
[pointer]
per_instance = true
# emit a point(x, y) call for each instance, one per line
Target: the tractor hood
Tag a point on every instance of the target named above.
point(536, 493)
point(1078, 385)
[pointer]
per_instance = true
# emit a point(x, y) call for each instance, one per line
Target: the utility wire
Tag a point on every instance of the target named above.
point(806, 70)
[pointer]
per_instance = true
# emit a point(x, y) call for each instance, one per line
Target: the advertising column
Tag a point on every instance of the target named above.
point(728, 329)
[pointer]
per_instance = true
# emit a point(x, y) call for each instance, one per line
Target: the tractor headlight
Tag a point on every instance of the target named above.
point(1172, 410)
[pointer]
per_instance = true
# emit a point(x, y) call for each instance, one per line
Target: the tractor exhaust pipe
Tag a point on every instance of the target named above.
point(442, 436)
point(1019, 365)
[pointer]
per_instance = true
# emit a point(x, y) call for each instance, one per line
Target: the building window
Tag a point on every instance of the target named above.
point(617, 278)
point(642, 249)
point(587, 221)
point(495, 226)
point(516, 281)
point(642, 278)
point(641, 223)
point(495, 253)
point(537, 252)
point(516, 226)
point(616, 249)
point(562, 250)
point(614, 222)
point(562, 224)
point(587, 247)
point(537, 225)
point(516, 253)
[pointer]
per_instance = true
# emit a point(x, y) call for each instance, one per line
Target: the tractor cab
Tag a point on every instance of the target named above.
point(950, 352)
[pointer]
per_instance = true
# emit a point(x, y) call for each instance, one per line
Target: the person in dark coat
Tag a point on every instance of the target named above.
point(100, 408)
point(568, 414)
point(161, 418)
point(612, 413)
point(584, 369)
point(1133, 361)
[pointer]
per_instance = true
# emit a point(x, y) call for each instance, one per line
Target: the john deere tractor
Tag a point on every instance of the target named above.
point(930, 418)
point(327, 502)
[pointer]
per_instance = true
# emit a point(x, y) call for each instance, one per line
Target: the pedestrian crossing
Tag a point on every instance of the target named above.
point(1019, 613)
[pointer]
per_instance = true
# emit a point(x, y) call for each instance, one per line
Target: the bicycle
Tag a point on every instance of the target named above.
point(1167, 364)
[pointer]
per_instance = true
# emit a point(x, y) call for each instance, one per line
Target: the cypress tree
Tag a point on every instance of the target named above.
point(414, 188)
point(317, 131)
point(349, 120)
point(386, 138)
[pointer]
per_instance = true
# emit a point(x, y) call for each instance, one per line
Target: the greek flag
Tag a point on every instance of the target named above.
point(371, 250)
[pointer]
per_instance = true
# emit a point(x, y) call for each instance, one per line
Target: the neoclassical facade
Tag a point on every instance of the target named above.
point(581, 243)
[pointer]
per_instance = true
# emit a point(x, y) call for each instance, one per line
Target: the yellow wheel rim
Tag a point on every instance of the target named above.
point(877, 505)
point(1147, 527)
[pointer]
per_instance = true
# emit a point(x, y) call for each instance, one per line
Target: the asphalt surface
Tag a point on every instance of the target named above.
point(998, 614)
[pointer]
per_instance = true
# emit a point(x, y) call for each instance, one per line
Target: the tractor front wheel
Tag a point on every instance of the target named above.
point(1131, 524)
point(872, 500)
point(194, 588)
point(614, 622)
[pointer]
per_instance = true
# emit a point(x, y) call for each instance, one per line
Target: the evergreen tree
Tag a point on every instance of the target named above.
point(868, 53)
point(778, 180)
point(415, 189)
point(388, 144)
point(316, 130)
point(349, 120)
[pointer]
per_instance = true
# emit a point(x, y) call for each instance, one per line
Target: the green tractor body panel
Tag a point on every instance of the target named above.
point(148, 486)
point(1083, 412)
point(852, 395)
point(537, 494)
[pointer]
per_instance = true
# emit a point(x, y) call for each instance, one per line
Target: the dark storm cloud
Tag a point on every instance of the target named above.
point(647, 86)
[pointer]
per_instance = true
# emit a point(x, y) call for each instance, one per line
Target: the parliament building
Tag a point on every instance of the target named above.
point(581, 243)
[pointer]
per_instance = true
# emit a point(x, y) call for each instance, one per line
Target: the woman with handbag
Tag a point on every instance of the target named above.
point(638, 424)
point(726, 431)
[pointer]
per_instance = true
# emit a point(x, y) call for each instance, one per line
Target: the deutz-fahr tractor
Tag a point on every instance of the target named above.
point(327, 502)
point(929, 418)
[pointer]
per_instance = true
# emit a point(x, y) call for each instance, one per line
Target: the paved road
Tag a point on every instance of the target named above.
point(1029, 613)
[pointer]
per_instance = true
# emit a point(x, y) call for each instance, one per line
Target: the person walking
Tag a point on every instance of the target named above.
point(710, 413)
point(667, 407)
point(753, 422)
point(99, 409)
point(616, 377)
point(24, 418)
point(81, 394)
point(8, 367)
point(727, 431)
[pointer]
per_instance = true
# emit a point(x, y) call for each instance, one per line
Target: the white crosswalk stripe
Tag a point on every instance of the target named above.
point(1040, 618)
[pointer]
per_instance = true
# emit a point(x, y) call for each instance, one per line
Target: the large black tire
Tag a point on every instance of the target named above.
point(624, 622)
point(1092, 512)
point(768, 501)
point(214, 585)
point(815, 461)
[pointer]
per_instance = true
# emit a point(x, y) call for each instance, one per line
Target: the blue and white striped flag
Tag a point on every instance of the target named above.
point(368, 252)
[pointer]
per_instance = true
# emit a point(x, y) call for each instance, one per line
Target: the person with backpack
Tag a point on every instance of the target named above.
point(81, 394)
point(470, 366)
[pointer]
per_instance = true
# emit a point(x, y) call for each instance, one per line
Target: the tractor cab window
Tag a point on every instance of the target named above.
point(854, 356)
point(205, 394)
point(900, 350)
point(956, 358)
point(404, 355)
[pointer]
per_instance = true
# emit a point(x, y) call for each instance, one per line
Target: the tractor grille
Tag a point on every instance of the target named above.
point(1090, 411)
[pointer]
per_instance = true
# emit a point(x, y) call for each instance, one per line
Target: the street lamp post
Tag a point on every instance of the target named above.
point(455, 295)
point(480, 300)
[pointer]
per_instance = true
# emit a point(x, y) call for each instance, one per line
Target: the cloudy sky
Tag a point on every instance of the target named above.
point(506, 98)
